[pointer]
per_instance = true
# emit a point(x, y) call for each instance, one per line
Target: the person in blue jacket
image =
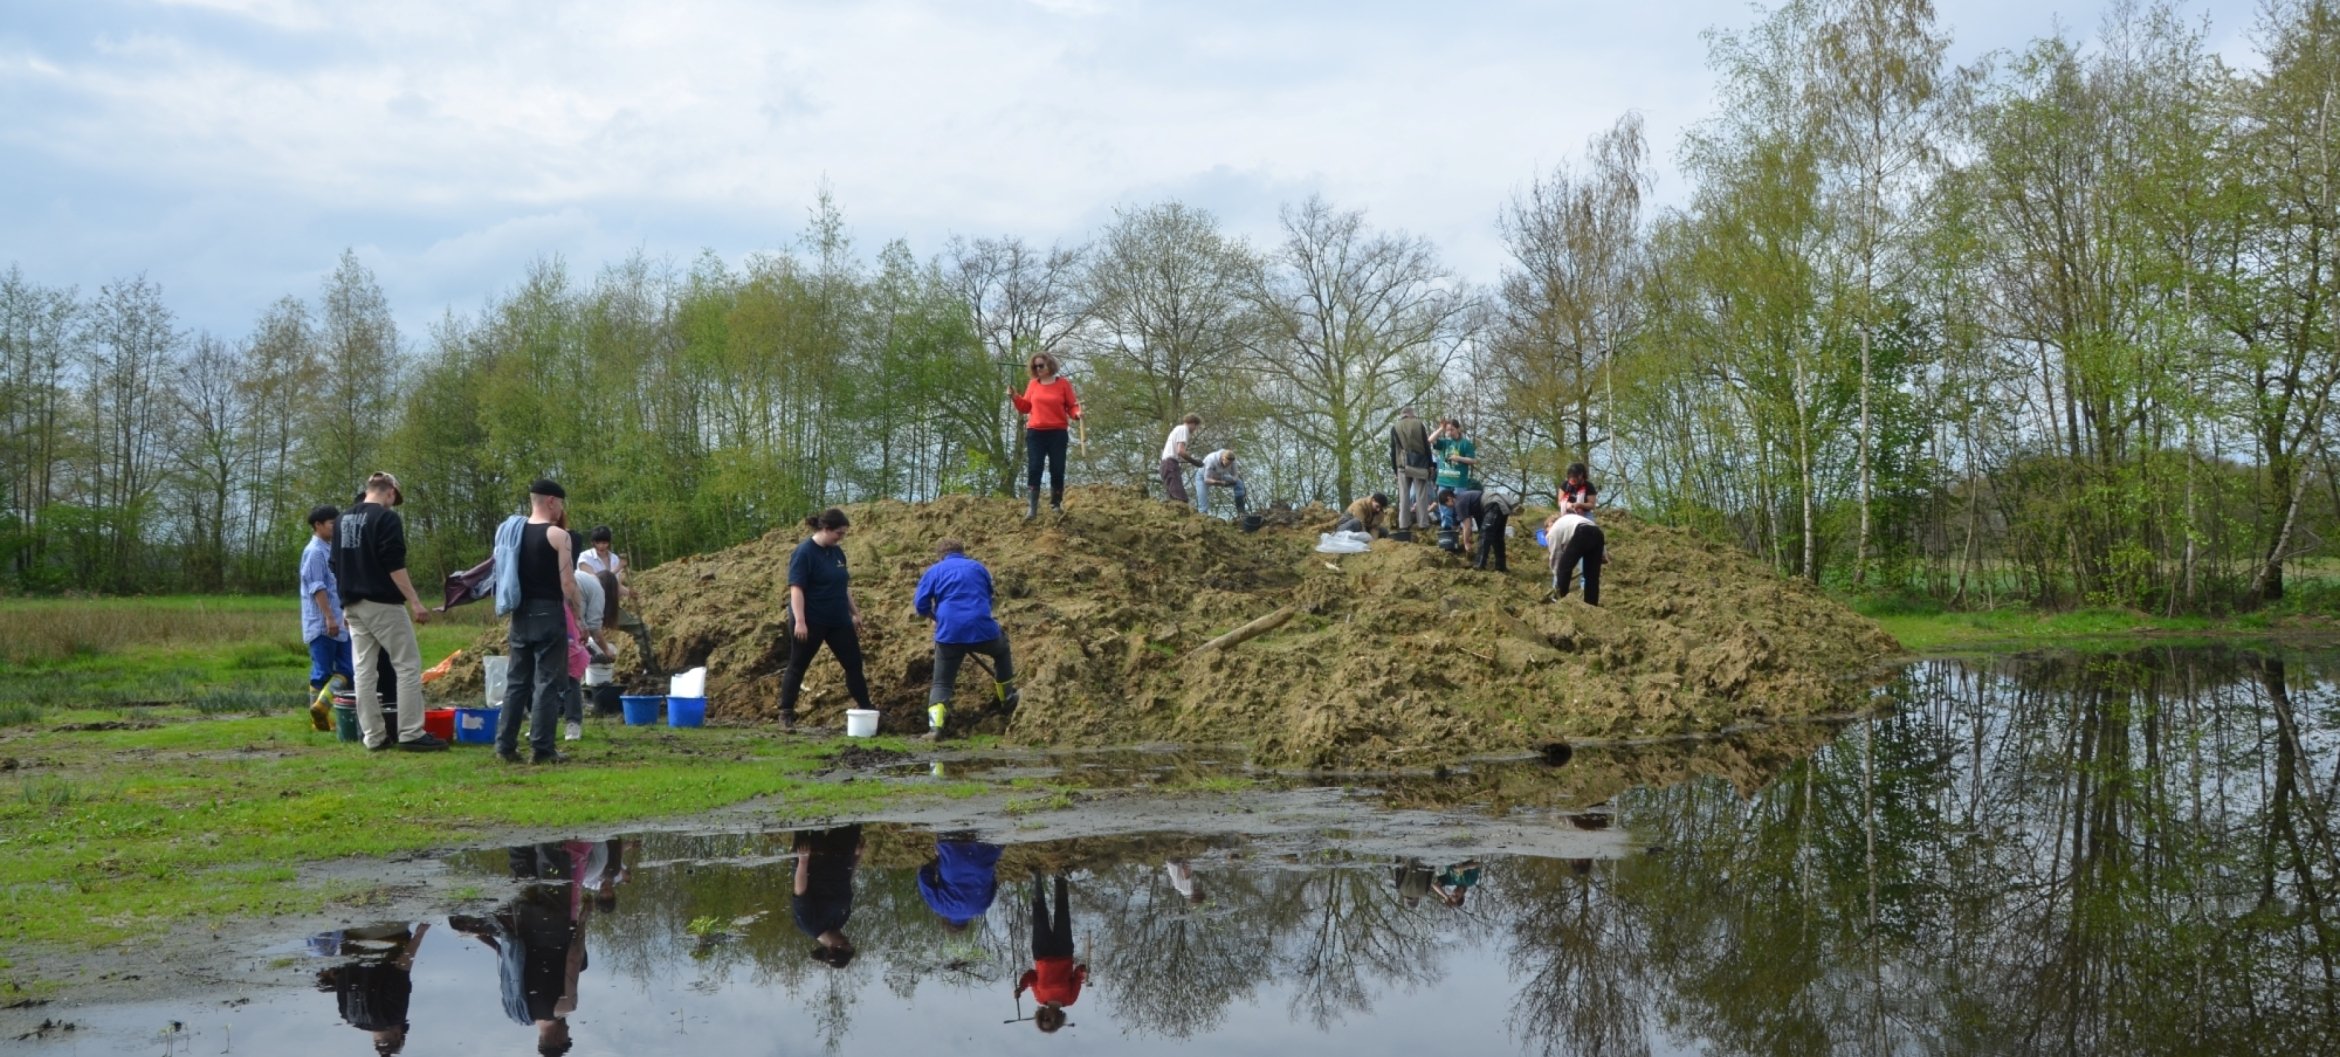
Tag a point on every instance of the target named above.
point(961, 880)
point(955, 593)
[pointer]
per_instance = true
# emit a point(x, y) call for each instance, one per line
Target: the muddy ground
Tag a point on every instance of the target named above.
point(1394, 658)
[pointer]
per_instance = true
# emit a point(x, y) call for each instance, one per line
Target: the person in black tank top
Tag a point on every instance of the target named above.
point(539, 642)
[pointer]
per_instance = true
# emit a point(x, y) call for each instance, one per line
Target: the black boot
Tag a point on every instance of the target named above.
point(1031, 504)
point(1056, 500)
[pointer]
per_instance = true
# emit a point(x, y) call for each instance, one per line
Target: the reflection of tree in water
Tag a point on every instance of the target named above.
point(2120, 854)
point(1577, 962)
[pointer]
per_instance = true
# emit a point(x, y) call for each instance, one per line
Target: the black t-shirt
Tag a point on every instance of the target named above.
point(828, 883)
point(1469, 505)
point(372, 996)
point(821, 572)
point(368, 545)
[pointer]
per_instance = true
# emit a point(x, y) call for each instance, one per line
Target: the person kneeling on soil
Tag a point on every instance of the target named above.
point(1364, 515)
point(1576, 542)
point(955, 593)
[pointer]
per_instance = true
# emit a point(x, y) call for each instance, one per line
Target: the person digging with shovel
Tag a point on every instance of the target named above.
point(955, 593)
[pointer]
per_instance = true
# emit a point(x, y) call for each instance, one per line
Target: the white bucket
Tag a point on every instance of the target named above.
point(499, 671)
point(861, 723)
point(598, 675)
point(692, 683)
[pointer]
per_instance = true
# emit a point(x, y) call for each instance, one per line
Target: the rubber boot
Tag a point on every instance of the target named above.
point(320, 714)
point(1032, 504)
point(1008, 695)
point(937, 715)
point(1056, 500)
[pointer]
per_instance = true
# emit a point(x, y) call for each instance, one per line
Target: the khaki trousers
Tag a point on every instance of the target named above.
point(374, 627)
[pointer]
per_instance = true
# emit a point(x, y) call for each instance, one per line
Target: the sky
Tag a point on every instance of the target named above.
point(232, 149)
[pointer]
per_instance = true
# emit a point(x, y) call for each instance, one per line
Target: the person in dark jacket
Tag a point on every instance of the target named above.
point(1494, 523)
point(374, 992)
point(955, 593)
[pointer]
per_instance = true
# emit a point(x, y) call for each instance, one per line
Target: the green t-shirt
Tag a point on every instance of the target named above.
point(1452, 474)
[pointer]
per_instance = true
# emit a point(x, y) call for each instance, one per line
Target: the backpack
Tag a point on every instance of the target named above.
point(507, 564)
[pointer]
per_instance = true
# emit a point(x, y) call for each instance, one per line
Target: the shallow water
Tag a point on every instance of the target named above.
point(2066, 854)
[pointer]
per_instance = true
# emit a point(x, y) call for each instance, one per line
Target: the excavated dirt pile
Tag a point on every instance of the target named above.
point(1397, 657)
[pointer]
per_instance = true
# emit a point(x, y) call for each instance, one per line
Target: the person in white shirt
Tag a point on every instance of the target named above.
point(607, 564)
point(1218, 471)
point(1174, 453)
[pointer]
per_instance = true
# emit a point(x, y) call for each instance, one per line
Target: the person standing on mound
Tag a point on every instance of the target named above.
point(1049, 409)
point(821, 610)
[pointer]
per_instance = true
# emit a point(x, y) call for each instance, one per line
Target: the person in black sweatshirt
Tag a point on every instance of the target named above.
point(369, 562)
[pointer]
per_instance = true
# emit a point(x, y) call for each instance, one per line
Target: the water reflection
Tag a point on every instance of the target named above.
point(2122, 854)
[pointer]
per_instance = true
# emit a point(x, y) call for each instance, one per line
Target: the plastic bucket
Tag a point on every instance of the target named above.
point(439, 723)
point(686, 711)
point(861, 723)
point(345, 724)
point(605, 700)
point(641, 711)
point(499, 671)
point(475, 726)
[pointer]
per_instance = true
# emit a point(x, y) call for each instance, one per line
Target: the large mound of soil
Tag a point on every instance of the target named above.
point(1400, 656)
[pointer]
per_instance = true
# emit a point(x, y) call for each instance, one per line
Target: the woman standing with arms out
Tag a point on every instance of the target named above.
point(821, 610)
point(1049, 409)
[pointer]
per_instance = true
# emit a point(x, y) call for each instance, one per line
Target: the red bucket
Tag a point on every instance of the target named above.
point(440, 723)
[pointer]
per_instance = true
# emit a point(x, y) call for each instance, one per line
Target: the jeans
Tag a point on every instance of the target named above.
point(843, 641)
point(328, 658)
point(539, 649)
point(1202, 493)
point(949, 655)
point(1046, 448)
point(1587, 548)
point(376, 628)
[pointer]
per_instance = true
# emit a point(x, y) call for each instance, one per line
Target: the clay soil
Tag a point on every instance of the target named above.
point(1397, 657)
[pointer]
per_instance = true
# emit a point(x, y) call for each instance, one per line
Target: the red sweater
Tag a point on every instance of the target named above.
point(1054, 981)
point(1051, 406)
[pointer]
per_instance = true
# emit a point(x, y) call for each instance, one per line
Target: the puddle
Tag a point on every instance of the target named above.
point(2125, 854)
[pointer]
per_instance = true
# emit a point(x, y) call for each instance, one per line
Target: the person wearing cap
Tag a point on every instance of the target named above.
point(603, 561)
point(369, 563)
point(322, 625)
point(539, 641)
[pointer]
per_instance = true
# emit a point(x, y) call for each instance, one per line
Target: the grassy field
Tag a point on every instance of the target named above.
point(157, 767)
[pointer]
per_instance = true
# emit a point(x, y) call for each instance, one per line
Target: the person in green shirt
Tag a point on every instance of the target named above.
point(1458, 458)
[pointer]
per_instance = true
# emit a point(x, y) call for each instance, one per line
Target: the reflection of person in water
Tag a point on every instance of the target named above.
point(539, 940)
point(960, 882)
point(1182, 880)
point(373, 990)
point(1055, 979)
point(1414, 880)
point(1456, 881)
point(825, 859)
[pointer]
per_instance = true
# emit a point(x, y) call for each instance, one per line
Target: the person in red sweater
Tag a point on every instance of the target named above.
point(1055, 979)
point(1049, 408)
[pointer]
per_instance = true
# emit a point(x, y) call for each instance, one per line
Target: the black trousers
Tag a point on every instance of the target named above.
point(843, 641)
point(1586, 548)
point(1052, 939)
point(1491, 528)
point(1046, 448)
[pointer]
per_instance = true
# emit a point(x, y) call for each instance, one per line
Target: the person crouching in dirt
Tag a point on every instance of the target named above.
point(821, 611)
point(1576, 542)
point(1218, 471)
point(604, 562)
point(955, 593)
point(1365, 515)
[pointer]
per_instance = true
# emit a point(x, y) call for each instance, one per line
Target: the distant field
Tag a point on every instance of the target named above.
point(219, 654)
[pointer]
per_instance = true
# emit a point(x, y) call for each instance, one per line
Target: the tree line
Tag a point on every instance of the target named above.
point(2061, 326)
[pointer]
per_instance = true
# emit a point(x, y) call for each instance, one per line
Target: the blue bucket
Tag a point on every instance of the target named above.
point(641, 711)
point(686, 711)
point(476, 726)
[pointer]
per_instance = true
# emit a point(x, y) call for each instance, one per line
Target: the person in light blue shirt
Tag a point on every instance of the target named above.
point(955, 593)
point(322, 625)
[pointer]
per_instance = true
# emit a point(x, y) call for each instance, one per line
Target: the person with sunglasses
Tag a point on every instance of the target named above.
point(1049, 408)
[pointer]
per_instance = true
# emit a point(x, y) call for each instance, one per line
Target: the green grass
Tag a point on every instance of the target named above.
point(107, 834)
point(1924, 628)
